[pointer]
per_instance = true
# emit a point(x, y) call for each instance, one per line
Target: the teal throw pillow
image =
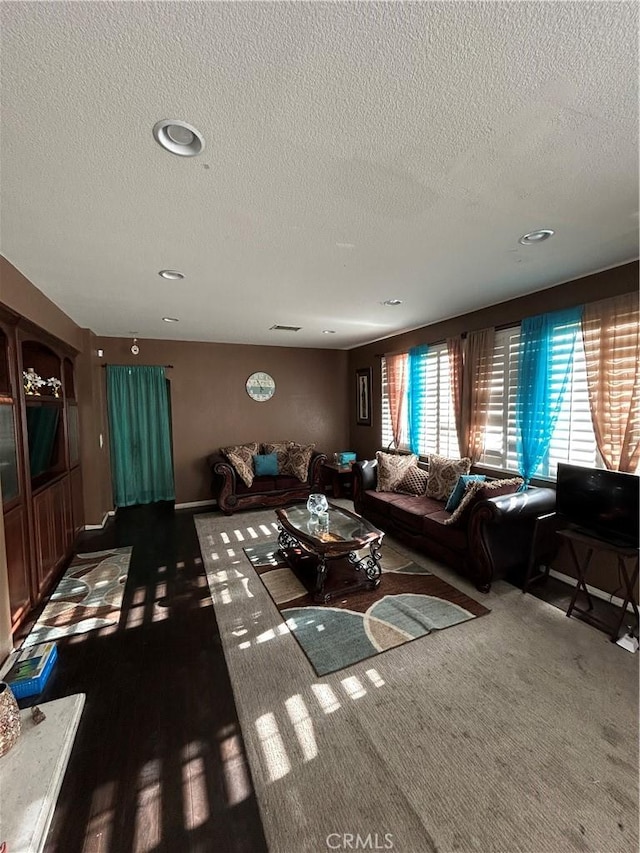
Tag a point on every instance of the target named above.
point(266, 464)
point(458, 493)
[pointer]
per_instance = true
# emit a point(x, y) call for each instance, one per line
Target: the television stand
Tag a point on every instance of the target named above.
point(591, 544)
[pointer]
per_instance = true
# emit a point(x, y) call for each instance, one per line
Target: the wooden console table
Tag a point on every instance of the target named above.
point(589, 546)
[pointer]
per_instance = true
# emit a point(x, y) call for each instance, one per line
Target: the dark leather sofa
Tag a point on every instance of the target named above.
point(233, 495)
point(493, 539)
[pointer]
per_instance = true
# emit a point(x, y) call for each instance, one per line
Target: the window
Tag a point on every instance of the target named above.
point(573, 438)
point(439, 429)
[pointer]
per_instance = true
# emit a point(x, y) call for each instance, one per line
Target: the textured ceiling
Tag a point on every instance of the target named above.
point(355, 152)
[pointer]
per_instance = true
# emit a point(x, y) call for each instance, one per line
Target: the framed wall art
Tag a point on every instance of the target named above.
point(363, 396)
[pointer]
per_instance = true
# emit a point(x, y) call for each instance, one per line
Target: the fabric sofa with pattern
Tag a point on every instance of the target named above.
point(289, 485)
point(491, 539)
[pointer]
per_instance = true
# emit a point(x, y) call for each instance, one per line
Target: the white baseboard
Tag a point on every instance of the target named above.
point(593, 590)
point(194, 504)
point(104, 521)
point(189, 505)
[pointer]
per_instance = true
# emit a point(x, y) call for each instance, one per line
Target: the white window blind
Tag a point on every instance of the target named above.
point(387, 432)
point(438, 433)
point(500, 443)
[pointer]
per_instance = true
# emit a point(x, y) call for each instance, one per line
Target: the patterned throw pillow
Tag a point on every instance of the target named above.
point(443, 475)
point(391, 469)
point(298, 457)
point(241, 457)
point(280, 448)
point(414, 482)
point(458, 493)
point(477, 490)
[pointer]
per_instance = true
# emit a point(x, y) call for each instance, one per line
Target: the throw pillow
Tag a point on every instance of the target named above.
point(241, 457)
point(443, 475)
point(266, 464)
point(477, 491)
point(298, 457)
point(391, 469)
point(280, 448)
point(458, 492)
point(414, 482)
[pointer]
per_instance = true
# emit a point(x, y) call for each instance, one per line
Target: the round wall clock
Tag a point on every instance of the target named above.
point(261, 387)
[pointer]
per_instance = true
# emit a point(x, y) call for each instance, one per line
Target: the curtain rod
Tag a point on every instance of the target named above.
point(137, 365)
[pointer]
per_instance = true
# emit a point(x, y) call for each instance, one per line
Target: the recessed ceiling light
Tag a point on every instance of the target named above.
point(173, 275)
point(328, 331)
point(178, 137)
point(392, 302)
point(170, 319)
point(534, 237)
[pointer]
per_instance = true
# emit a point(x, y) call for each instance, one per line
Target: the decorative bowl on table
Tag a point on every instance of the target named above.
point(317, 503)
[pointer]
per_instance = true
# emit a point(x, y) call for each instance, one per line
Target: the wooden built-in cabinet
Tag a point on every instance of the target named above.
point(40, 469)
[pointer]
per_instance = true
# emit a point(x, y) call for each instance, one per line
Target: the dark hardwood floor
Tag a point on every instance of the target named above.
point(158, 763)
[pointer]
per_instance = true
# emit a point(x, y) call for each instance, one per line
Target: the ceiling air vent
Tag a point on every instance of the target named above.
point(278, 328)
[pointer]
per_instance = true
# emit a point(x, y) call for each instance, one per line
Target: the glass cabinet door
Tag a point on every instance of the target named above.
point(8, 453)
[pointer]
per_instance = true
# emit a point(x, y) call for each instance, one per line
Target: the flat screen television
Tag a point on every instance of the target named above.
point(601, 503)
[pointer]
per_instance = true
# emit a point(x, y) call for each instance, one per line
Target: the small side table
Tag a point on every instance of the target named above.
point(544, 547)
point(591, 545)
point(339, 477)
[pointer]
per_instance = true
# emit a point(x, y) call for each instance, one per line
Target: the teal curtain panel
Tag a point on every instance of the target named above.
point(417, 394)
point(547, 342)
point(140, 435)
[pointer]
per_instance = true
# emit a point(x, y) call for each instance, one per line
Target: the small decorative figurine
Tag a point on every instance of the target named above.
point(55, 385)
point(32, 382)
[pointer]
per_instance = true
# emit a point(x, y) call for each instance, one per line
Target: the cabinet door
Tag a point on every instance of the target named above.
point(59, 504)
point(77, 505)
point(15, 524)
point(45, 545)
point(68, 516)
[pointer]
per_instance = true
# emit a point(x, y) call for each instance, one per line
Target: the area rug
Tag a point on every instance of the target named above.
point(89, 596)
point(410, 602)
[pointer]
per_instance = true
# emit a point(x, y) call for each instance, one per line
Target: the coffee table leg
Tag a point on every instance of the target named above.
point(321, 576)
point(369, 565)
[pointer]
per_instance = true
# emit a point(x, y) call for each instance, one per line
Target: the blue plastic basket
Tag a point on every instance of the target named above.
point(31, 686)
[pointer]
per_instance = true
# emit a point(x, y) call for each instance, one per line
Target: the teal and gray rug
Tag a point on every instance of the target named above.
point(89, 596)
point(410, 602)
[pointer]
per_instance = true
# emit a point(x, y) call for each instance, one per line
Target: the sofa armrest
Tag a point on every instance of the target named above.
point(223, 481)
point(365, 478)
point(501, 532)
point(314, 477)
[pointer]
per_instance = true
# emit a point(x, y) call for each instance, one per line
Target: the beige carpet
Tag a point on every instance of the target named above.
point(518, 733)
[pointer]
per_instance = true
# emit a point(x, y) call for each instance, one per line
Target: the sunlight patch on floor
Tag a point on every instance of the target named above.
point(148, 821)
point(273, 749)
point(302, 726)
point(375, 678)
point(236, 773)
point(194, 786)
point(102, 815)
point(353, 687)
point(326, 698)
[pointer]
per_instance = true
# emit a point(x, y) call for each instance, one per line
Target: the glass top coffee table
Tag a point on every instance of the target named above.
point(340, 538)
